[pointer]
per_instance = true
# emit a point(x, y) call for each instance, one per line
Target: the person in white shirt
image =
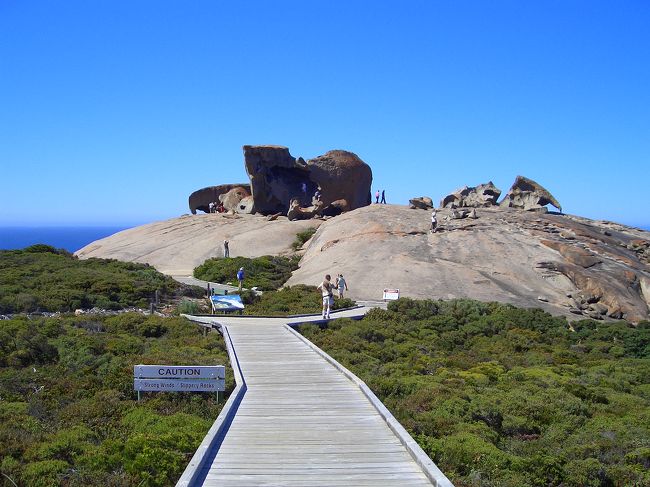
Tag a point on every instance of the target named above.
point(327, 290)
point(341, 285)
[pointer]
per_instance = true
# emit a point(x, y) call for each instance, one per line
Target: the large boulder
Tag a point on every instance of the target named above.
point(201, 199)
point(341, 175)
point(527, 194)
point(277, 179)
point(481, 196)
point(422, 202)
point(232, 198)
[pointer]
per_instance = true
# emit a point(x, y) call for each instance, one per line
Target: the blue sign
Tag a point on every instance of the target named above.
point(230, 302)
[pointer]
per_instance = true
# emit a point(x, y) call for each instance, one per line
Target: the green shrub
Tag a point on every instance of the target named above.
point(68, 412)
point(265, 273)
point(302, 237)
point(188, 307)
point(47, 279)
point(292, 300)
point(498, 395)
point(46, 473)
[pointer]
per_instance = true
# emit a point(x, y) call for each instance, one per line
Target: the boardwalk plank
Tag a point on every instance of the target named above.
point(301, 422)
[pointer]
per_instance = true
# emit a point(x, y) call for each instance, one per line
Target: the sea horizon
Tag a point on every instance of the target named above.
point(75, 237)
point(68, 237)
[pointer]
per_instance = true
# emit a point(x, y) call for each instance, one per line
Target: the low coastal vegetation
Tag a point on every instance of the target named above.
point(42, 278)
point(302, 237)
point(68, 412)
point(292, 300)
point(266, 273)
point(500, 396)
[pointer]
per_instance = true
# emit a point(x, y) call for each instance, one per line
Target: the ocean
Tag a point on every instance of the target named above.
point(68, 238)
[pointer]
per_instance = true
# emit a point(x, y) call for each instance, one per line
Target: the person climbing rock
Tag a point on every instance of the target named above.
point(226, 249)
point(327, 291)
point(434, 221)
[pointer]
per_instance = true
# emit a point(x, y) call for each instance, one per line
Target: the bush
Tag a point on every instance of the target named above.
point(188, 307)
point(498, 395)
point(47, 279)
point(265, 273)
point(292, 300)
point(302, 237)
point(68, 414)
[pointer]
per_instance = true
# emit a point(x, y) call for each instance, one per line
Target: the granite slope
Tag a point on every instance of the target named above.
point(564, 264)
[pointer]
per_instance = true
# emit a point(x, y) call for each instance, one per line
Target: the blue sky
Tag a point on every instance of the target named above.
point(113, 112)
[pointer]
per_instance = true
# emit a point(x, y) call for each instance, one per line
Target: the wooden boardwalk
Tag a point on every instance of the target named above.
point(300, 421)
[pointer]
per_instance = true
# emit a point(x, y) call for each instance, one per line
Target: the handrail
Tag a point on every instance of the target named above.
point(219, 428)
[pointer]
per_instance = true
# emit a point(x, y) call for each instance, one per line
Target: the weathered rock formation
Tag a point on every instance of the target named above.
point(527, 194)
point(277, 179)
point(564, 264)
point(480, 196)
point(200, 199)
point(297, 212)
point(422, 202)
point(232, 199)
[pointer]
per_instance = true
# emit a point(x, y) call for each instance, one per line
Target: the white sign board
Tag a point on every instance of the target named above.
point(174, 378)
point(176, 385)
point(391, 294)
point(179, 371)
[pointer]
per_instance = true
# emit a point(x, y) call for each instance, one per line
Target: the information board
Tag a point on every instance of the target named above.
point(391, 294)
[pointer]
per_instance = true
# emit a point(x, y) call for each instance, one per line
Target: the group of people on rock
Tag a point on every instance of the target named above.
point(327, 289)
point(383, 197)
point(216, 207)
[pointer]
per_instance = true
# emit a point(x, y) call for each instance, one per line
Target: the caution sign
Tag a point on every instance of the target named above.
point(174, 378)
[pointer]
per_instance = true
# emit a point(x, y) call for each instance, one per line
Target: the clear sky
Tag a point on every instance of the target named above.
point(113, 112)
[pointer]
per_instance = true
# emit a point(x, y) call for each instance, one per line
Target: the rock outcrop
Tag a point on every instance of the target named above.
point(567, 265)
point(277, 179)
point(232, 199)
point(421, 202)
point(480, 196)
point(342, 175)
point(201, 199)
point(297, 212)
point(527, 194)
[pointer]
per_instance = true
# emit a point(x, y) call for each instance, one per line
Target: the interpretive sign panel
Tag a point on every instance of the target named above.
point(391, 294)
point(231, 302)
point(186, 378)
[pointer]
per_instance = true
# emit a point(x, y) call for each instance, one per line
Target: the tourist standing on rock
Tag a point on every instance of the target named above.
point(377, 197)
point(211, 206)
point(226, 249)
point(383, 196)
point(341, 285)
point(240, 278)
point(434, 221)
point(327, 291)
